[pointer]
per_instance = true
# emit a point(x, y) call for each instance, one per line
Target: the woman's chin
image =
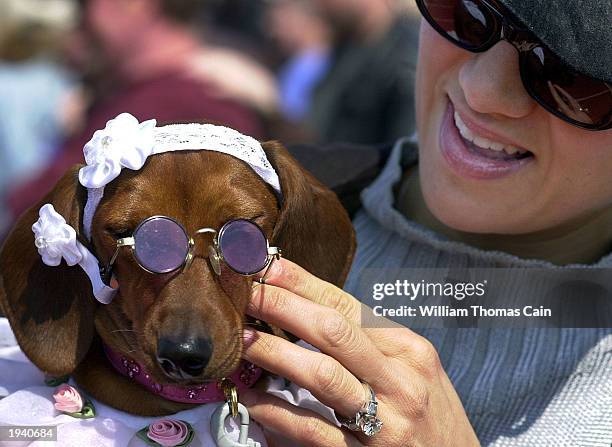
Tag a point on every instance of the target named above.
point(471, 214)
point(473, 205)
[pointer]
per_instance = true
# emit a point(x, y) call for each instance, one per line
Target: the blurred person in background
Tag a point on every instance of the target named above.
point(238, 23)
point(367, 96)
point(236, 75)
point(304, 37)
point(153, 66)
point(40, 100)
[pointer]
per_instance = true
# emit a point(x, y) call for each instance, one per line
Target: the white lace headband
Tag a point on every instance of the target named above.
point(126, 143)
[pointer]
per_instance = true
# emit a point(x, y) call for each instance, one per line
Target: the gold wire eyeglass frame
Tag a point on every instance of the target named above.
point(215, 254)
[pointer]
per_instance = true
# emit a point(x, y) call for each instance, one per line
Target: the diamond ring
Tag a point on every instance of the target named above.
point(365, 419)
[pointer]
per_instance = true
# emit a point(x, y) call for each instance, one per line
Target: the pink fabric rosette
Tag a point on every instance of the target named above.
point(168, 432)
point(67, 399)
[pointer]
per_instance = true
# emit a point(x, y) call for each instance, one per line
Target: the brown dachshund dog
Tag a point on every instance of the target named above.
point(59, 324)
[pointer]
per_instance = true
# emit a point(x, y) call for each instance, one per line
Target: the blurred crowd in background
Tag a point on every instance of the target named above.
point(315, 71)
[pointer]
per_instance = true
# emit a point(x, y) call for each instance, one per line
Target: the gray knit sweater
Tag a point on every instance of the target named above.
point(520, 387)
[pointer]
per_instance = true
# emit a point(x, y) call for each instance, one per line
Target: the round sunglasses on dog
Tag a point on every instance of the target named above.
point(477, 25)
point(161, 245)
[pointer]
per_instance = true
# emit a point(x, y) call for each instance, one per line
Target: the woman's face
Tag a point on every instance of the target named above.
point(469, 186)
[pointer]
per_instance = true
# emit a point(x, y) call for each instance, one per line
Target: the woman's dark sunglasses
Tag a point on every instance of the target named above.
point(161, 245)
point(477, 25)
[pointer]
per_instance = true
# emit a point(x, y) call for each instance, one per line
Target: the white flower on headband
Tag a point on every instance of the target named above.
point(124, 142)
point(54, 238)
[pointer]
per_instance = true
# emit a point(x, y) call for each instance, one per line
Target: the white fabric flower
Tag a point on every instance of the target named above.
point(54, 238)
point(124, 142)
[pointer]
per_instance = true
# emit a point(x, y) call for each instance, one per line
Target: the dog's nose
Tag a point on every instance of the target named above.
point(185, 359)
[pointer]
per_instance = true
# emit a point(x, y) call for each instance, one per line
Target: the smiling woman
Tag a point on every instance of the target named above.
point(511, 171)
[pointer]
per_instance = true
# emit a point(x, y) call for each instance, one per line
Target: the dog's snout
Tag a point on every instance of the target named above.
point(184, 359)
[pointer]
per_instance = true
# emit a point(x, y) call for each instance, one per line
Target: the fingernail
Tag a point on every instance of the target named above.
point(275, 268)
point(271, 271)
point(248, 337)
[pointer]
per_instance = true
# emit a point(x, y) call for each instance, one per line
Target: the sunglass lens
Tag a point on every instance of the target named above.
point(469, 23)
point(161, 245)
point(243, 246)
point(566, 92)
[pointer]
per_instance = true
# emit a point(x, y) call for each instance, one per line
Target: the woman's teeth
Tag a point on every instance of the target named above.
point(484, 142)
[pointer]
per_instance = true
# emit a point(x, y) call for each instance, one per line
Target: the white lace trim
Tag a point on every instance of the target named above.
point(178, 137)
point(126, 143)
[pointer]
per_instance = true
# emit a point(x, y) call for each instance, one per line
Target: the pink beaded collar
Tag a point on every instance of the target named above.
point(244, 377)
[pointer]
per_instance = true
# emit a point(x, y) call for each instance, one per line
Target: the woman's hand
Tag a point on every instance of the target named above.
point(416, 401)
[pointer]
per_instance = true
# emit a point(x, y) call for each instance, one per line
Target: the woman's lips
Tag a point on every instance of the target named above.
point(468, 160)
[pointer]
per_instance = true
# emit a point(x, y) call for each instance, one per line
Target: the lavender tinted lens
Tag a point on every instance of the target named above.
point(243, 246)
point(161, 245)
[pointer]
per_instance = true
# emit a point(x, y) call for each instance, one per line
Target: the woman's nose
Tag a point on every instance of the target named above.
point(491, 83)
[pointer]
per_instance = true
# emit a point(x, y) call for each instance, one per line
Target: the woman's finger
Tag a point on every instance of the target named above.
point(275, 439)
point(324, 328)
point(303, 427)
point(290, 276)
point(391, 339)
point(320, 374)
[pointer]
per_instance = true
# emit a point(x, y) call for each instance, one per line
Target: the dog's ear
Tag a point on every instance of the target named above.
point(313, 229)
point(50, 309)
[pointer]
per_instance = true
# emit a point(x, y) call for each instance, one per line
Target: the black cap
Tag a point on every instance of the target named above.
point(578, 31)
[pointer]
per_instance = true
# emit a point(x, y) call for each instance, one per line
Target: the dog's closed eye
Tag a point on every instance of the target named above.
point(119, 233)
